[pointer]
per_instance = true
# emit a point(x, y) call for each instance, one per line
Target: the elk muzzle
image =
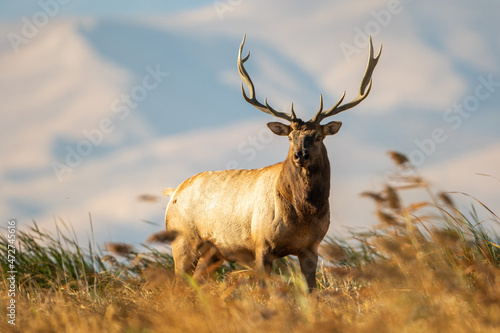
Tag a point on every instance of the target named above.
point(301, 157)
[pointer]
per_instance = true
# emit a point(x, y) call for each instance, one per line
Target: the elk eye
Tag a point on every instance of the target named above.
point(318, 138)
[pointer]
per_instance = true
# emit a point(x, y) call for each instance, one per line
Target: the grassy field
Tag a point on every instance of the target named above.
point(426, 267)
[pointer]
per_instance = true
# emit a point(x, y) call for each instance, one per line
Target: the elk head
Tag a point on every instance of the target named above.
point(306, 138)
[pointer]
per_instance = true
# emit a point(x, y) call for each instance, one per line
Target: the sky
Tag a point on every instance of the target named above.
point(103, 103)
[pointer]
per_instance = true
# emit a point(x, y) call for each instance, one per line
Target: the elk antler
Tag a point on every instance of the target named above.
point(252, 100)
point(364, 90)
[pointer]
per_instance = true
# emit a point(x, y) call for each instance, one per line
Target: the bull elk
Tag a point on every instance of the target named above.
point(253, 217)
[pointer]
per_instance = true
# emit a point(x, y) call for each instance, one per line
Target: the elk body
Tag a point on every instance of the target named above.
point(256, 216)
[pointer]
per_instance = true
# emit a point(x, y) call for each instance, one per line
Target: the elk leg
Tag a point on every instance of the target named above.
point(211, 259)
point(263, 265)
point(185, 256)
point(308, 260)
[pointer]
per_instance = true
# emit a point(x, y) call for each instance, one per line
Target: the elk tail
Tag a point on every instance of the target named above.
point(168, 192)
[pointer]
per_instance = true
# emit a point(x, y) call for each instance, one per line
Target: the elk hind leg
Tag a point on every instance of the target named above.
point(211, 259)
point(185, 256)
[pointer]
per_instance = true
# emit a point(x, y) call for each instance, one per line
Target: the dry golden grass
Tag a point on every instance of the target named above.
point(402, 294)
point(426, 268)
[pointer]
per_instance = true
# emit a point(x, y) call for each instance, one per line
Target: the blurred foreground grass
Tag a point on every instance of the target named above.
point(426, 267)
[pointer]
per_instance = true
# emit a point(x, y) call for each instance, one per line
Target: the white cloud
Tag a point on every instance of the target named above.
point(411, 71)
point(466, 174)
point(475, 174)
point(109, 187)
point(464, 32)
point(471, 46)
point(413, 74)
point(55, 86)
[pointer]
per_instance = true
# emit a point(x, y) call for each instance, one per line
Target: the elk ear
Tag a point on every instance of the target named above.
point(279, 128)
point(331, 128)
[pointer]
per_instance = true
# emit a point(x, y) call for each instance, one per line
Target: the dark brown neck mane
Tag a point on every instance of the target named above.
point(306, 189)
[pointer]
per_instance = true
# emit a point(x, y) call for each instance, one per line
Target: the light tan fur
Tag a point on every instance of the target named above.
point(256, 216)
point(245, 217)
point(168, 192)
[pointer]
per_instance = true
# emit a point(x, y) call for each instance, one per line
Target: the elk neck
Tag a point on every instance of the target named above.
point(306, 188)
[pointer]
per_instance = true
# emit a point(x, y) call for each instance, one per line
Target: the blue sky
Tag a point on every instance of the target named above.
point(435, 97)
point(15, 10)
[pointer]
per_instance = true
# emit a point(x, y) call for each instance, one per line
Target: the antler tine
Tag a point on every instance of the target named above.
point(320, 115)
point(251, 90)
point(294, 117)
point(364, 90)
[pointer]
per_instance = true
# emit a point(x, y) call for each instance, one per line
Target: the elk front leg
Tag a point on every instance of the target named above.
point(308, 260)
point(263, 264)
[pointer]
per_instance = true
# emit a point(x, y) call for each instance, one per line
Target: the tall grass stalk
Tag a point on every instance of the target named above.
point(427, 266)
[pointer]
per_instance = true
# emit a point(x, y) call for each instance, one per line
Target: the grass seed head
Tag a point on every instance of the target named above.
point(333, 252)
point(109, 259)
point(148, 198)
point(446, 199)
point(121, 249)
point(162, 237)
point(399, 159)
point(392, 198)
point(375, 196)
point(387, 218)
